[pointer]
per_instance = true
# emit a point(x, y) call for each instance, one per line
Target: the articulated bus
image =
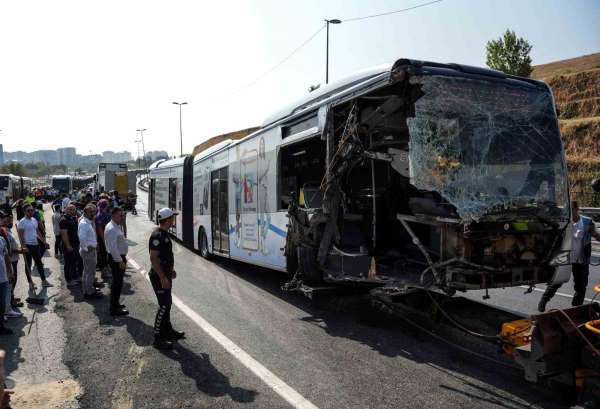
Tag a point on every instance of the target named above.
point(63, 183)
point(14, 187)
point(414, 175)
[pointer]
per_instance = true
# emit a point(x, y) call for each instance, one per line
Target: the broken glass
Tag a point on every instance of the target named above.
point(487, 146)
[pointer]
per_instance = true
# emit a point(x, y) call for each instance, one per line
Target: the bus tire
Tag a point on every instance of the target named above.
point(203, 244)
point(307, 261)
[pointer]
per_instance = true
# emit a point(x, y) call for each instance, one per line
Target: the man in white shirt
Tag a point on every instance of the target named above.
point(116, 247)
point(28, 236)
point(87, 248)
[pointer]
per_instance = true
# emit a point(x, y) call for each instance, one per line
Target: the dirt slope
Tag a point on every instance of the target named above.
point(576, 87)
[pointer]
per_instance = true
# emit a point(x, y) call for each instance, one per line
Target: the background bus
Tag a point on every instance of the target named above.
point(63, 183)
point(10, 187)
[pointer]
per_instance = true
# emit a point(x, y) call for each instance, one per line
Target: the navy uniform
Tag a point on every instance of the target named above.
point(161, 242)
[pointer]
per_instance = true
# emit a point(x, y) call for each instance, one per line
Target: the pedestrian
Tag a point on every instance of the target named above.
point(6, 207)
point(583, 230)
point(56, 216)
point(4, 284)
point(19, 207)
point(70, 246)
point(65, 201)
point(10, 302)
point(87, 249)
point(29, 235)
point(116, 247)
point(102, 219)
point(162, 275)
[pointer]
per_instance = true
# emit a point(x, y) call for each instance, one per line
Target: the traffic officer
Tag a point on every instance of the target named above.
point(162, 275)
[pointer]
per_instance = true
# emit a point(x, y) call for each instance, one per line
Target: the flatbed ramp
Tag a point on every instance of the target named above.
point(559, 349)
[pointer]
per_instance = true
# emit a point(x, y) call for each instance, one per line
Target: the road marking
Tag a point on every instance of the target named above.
point(268, 377)
point(539, 290)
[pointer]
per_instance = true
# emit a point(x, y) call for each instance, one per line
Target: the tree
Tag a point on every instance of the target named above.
point(509, 54)
point(314, 87)
point(14, 168)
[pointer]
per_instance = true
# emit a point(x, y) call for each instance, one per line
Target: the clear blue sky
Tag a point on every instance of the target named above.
point(87, 74)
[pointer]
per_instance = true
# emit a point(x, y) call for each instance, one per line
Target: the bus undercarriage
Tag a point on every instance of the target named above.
point(400, 200)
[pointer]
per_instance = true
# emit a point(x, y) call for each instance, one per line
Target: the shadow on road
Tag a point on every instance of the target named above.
point(352, 317)
point(197, 367)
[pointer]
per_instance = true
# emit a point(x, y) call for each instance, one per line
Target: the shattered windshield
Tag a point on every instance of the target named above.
point(487, 146)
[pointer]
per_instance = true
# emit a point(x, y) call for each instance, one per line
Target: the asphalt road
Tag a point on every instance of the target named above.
point(251, 345)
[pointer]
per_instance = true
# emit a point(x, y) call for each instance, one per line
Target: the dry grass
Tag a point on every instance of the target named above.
point(563, 67)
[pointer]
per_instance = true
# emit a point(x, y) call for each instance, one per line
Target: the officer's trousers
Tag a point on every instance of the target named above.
point(162, 322)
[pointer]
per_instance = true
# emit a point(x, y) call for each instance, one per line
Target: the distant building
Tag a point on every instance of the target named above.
point(1, 155)
point(45, 156)
point(116, 157)
point(66, 156)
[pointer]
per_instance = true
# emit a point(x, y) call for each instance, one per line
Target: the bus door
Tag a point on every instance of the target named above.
point(151, 205)
point(173, 201)
point(219, 205)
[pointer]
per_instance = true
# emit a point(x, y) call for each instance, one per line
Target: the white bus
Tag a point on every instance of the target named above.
point(411, 174)
point(10, 187)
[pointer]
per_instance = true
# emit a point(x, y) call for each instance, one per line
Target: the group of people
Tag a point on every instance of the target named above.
point(90, 235)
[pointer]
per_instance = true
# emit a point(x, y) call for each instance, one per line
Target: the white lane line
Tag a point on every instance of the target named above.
point(268, 377)
point(539, 290)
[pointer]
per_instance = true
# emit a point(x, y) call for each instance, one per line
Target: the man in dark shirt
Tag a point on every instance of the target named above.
point(162, 275)
point(68, 232)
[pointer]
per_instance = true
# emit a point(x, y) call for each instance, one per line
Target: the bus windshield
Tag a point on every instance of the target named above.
point(3, 182)
point(488, 147)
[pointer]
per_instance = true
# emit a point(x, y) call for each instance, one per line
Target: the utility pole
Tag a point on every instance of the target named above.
point(141, 131)
point(327, 22)
point(180, 129)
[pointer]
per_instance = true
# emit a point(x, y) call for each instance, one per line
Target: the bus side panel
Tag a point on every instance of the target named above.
point(202, 202)
point(179, 205)
point(257, 230)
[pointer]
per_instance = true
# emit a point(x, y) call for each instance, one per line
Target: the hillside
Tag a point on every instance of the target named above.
point(576, 86)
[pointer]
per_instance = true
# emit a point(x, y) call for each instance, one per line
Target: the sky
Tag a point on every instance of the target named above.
point(87, 74)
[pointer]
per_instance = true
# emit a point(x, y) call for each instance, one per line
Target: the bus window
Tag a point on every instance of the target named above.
point(302, 166)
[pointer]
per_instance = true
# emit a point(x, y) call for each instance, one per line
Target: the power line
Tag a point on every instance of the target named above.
point(273, 68)
point(391, 12)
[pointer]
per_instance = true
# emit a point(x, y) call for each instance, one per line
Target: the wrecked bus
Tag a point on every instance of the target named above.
point(411, 175)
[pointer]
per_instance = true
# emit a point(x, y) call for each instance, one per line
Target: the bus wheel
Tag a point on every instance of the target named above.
point(203, 244)
point(307, 261)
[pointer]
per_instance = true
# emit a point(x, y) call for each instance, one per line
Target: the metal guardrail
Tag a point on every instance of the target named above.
point(143, 184)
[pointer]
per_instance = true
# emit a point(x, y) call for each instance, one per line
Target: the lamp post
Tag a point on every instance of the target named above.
point(141, 131)
point(327, 22)
point(138, 156)
point(180, 129)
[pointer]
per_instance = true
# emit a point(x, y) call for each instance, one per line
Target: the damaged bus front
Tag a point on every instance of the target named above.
point(442, 176)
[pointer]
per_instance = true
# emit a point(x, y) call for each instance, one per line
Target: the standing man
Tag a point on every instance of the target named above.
point(102, 219)
point(4, 284)
point(116, 247)
point(29, 234)
point(56, 216)
point(581, 252)
point(87, 249)
point(162, 275)
point(70, 245)
point(65, 201)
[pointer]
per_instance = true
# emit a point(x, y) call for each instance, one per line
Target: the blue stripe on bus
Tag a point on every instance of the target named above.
point(272, 227)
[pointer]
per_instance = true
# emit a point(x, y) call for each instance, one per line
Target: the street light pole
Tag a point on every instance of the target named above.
point(141, 131)
point(327, 22)
point(180, 129)
point(139, 157)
